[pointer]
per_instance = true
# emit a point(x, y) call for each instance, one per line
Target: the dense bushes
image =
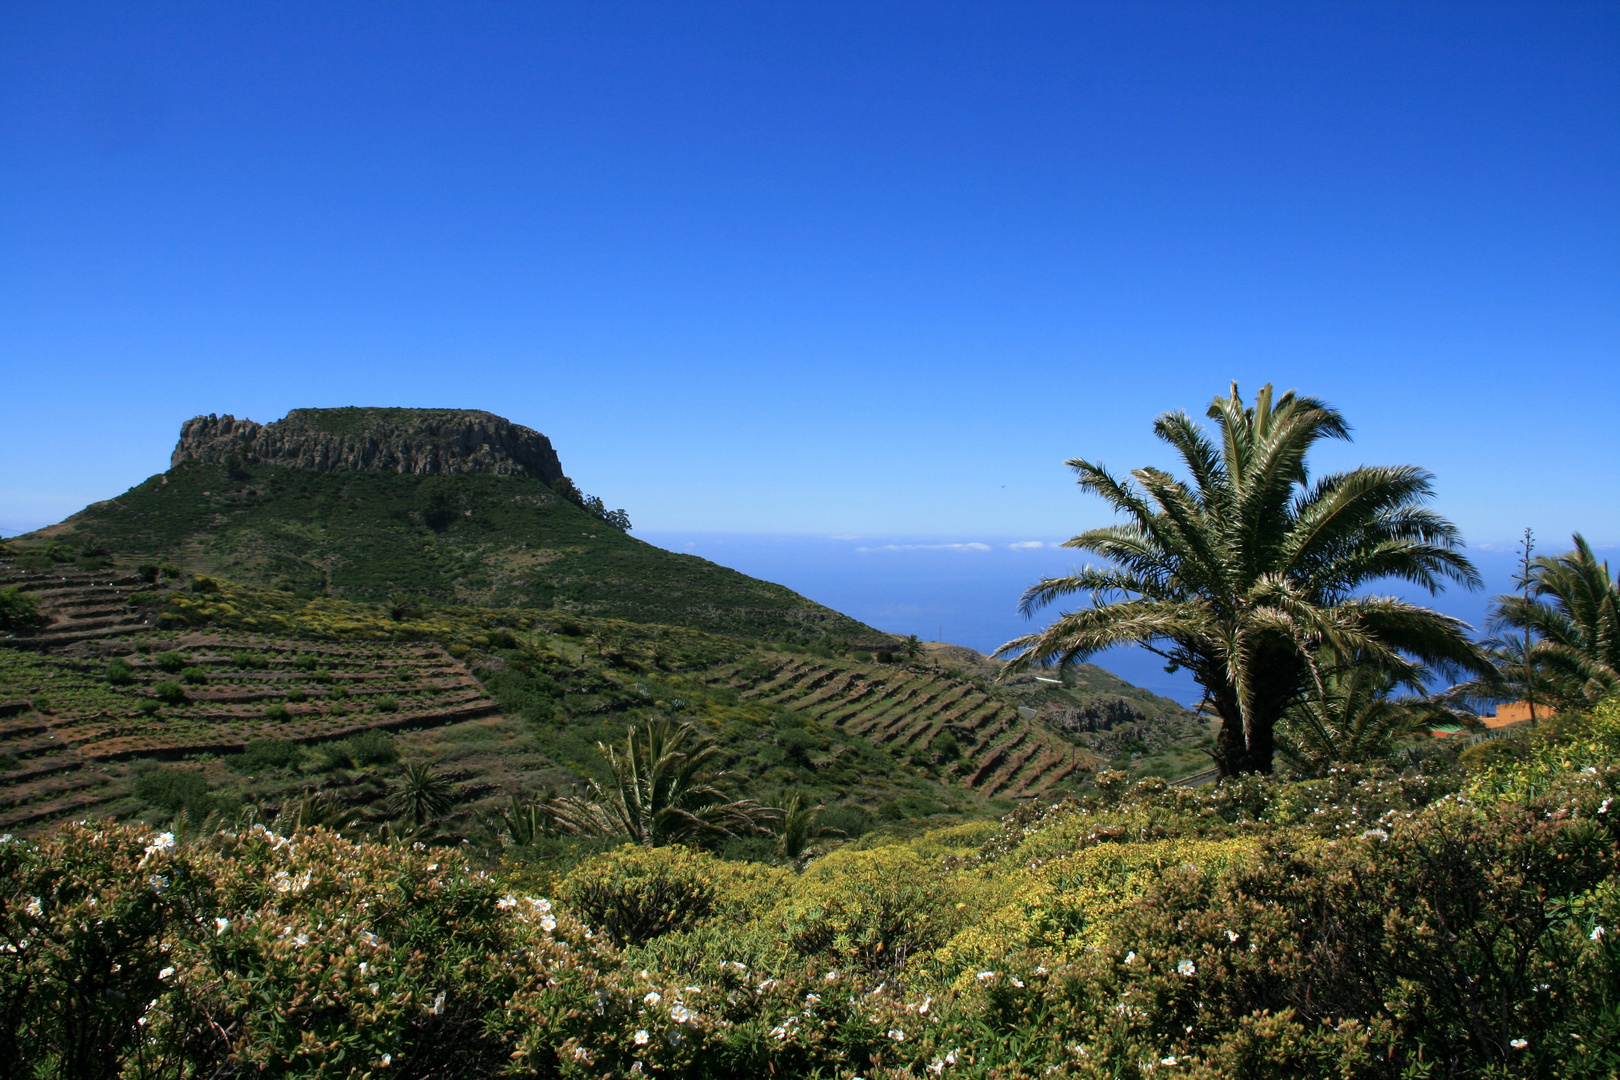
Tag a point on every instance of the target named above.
point(1364, 925)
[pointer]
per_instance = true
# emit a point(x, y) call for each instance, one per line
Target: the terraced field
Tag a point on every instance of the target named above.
point(212, 693)
point(81, 608)
point(1002, 752)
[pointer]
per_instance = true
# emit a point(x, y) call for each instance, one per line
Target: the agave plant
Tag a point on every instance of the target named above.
point(520, 824)
point(665, 789)
point(1245, 574)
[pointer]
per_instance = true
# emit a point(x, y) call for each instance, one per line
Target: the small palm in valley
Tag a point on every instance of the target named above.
point(666, 788)
point(420, 794)
point(799, 829)
point(1243, 575)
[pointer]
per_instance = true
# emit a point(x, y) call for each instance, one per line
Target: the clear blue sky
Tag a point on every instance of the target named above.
point(865, 269)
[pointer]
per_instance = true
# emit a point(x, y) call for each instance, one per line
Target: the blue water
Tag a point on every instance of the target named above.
point(965, 590)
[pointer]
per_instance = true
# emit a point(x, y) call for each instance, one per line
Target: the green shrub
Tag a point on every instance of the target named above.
point(634, 894)
point(173, 789)
point(388, 703)
point(119, 672)
point(373, 747)
point(336, 693)
point(336, 709)
point(148, 706)
point(169, 661)
point(262, 754)
point(169, 571)
point(194, 676)
point(278, 713)
point(304, 662)
point(18, 610)
point(41, 703)
point(852, 821)
point(248, 660)
point(168, 692)
point(147, 572)
point(7, 763)
point(296, 695)
point(873, 908)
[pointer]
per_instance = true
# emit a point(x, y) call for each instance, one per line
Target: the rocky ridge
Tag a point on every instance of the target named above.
point(424, 442)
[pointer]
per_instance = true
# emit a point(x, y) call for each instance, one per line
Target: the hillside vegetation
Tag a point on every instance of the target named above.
point(492, 540)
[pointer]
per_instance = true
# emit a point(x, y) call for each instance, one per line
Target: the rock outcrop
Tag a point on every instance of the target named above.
point(425, 442)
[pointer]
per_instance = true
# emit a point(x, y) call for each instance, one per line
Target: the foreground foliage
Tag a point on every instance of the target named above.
point(1436, 922)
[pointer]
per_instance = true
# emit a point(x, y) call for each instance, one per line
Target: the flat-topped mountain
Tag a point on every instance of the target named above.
point(423, 442)
point(445, 505)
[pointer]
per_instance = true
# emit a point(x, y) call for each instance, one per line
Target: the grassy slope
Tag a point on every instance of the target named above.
point(491, 540)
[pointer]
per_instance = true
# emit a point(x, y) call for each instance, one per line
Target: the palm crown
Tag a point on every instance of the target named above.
point(1574, 613)
point(1245, 574)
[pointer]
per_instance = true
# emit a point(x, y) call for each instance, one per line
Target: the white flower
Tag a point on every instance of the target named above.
point(166, 972)
point(897, 1035)
point(438, 1004)
point(37, 910)
point(1597, 933)
point(983, 975)
point(370, 939)
point(548, 923)
point(374, 987)
point(1167, 1061)
point(1186, 967)
point(221, 925)
point(653, 997)
point(1375, 834)
point(641, 1037)
point(681, 1014)
point(1230, 936)
point(506, 902)
point(812, 999)
point(388, 1059)
point(1518, 1044)
point(831, 976)
point(158, 882)
point(301, 939)
point(1130, 958)
point(1604, 809)
point(161, 842)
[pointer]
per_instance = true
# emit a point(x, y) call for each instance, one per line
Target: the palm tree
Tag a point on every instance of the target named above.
point(1354, 719)
point(1244, 575)
point(664, 790)
point(799, 828)
point(1573, 609)
point(420, 794)
point(912, 647)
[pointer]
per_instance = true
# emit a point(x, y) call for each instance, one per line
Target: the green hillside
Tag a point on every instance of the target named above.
point(500, 541)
